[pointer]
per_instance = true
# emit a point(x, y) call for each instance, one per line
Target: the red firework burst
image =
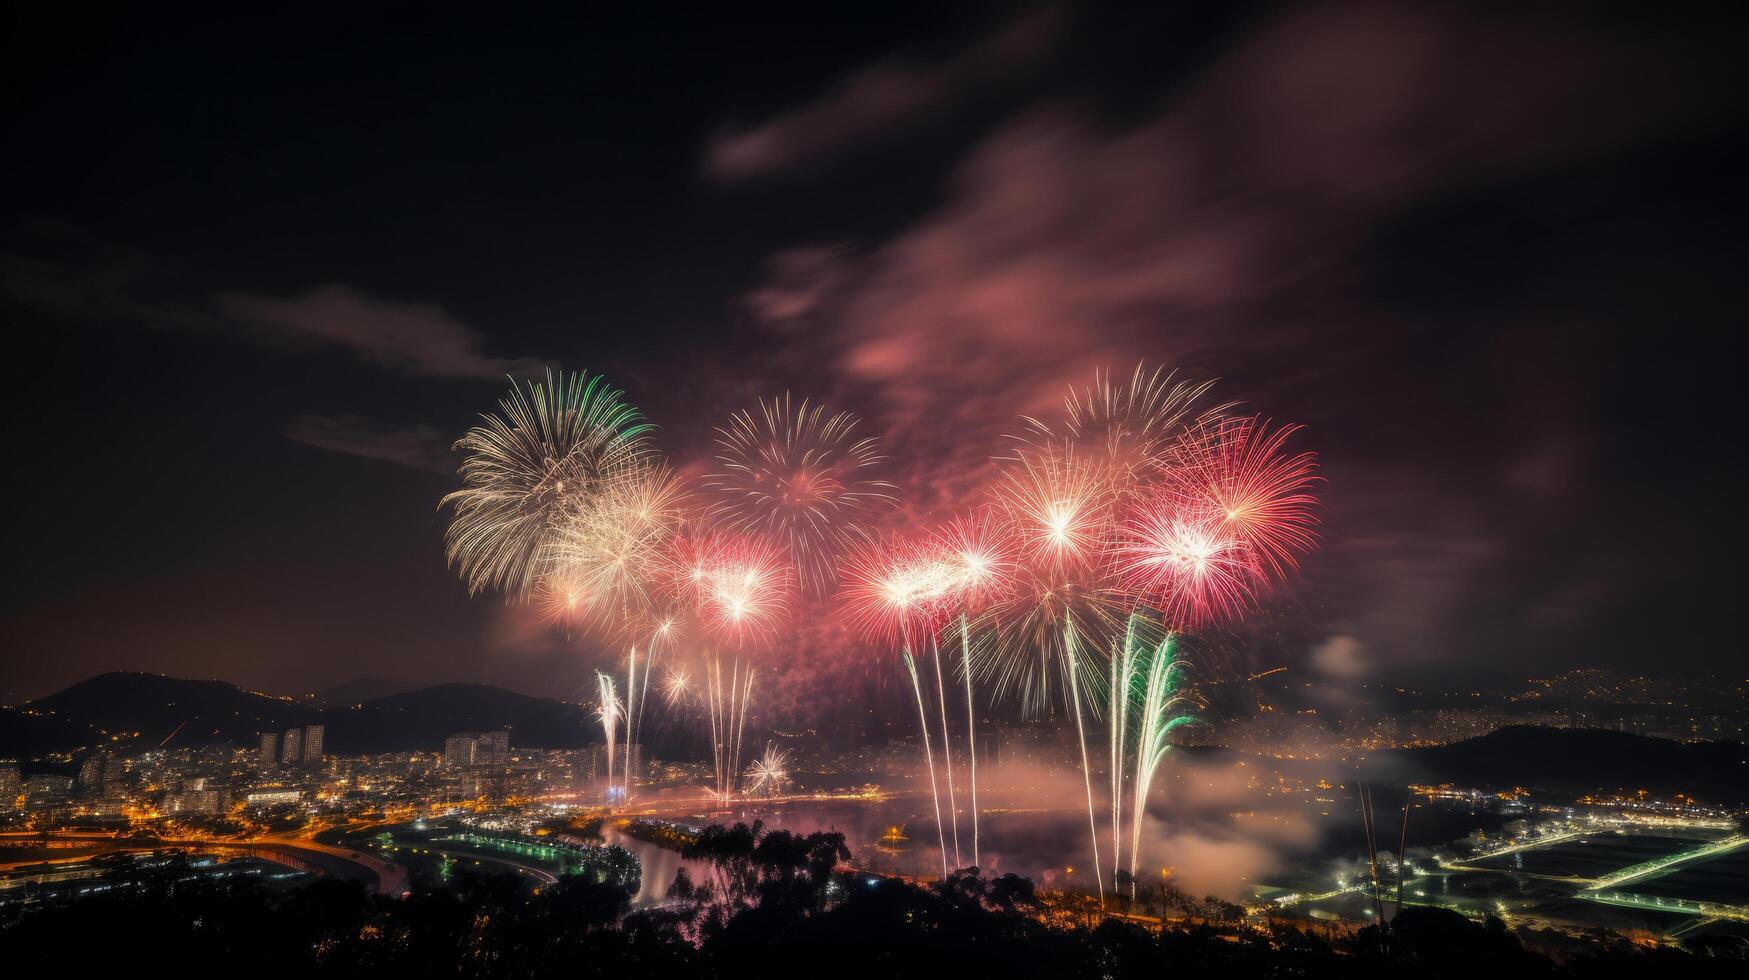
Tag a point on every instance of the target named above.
point(741, 586)
point(1253, 489)
point(1184, 562)
point(801, 476)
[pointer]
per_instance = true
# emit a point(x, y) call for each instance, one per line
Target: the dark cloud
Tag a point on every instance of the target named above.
point(421, 447)
point(419, 338)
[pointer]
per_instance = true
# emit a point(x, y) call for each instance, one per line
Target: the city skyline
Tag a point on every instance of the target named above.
point(1077, 489)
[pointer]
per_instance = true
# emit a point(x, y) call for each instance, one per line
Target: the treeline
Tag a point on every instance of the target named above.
point(763, 903)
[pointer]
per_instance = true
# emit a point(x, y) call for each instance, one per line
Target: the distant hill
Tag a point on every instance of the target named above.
point(357, 692)
point(26, 734)
point(1574, 761)
point(419, 720)
point(195, 712)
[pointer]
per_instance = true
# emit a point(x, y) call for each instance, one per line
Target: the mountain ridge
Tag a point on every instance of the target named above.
point(143, 710)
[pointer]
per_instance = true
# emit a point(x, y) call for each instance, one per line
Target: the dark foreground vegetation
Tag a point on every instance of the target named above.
point(769, 904)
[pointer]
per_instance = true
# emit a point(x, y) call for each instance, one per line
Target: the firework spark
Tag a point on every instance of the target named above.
point(607, 549)
point(770, 771)
point(1254, 490)
point(1183, 561)
point(676, 686)
point(797, 474)
point(744, 592)
point(1057, 504)
point(1130, 431)
point(550, 446)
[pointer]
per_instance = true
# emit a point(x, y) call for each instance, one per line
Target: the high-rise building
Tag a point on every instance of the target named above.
point(291, 751)
point(492, 748)
point(11, 788)
point(313, 745)
point(269, 748)
point(458, 750)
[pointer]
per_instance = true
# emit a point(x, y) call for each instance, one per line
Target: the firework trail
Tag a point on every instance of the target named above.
point(971, 736)
point(1123, 674)
point(550, 446)
point(1086, 772)
point(609, 711)
point(953, 806)
point(726, 702)
point(634, 709)
point(928, 755)
point(1161, 700)
point(801, 476)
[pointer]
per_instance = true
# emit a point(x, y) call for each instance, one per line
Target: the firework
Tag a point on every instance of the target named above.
point(801, 476)
point(1239, 472)
point(1041, 606)
point(1057, 505)
point(744, 591)
point(608, 548)
point(1061, 507)
point(976, 553)
point(676, 686)
point(1184, 561)
point(770, 771)
point(550, 446)
point(1231, 518)
point(899, 591)
point(1130, 431)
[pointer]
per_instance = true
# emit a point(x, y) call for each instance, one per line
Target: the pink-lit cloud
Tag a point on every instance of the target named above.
point(876, 102)
point(1215, 235)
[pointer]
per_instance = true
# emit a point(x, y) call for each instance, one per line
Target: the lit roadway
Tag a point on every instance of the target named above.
point(391, 880)
point(1664, 865)
point(1545, 841)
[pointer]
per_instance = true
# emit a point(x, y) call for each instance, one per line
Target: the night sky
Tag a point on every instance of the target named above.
point(258, 272)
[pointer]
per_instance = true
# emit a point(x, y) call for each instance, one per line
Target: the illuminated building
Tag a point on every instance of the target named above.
point(269, 748)
point(313, 745)
point(292, 747)
point(458, 750)
point(492, 748)
point(477, 749)
point(269, 797)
